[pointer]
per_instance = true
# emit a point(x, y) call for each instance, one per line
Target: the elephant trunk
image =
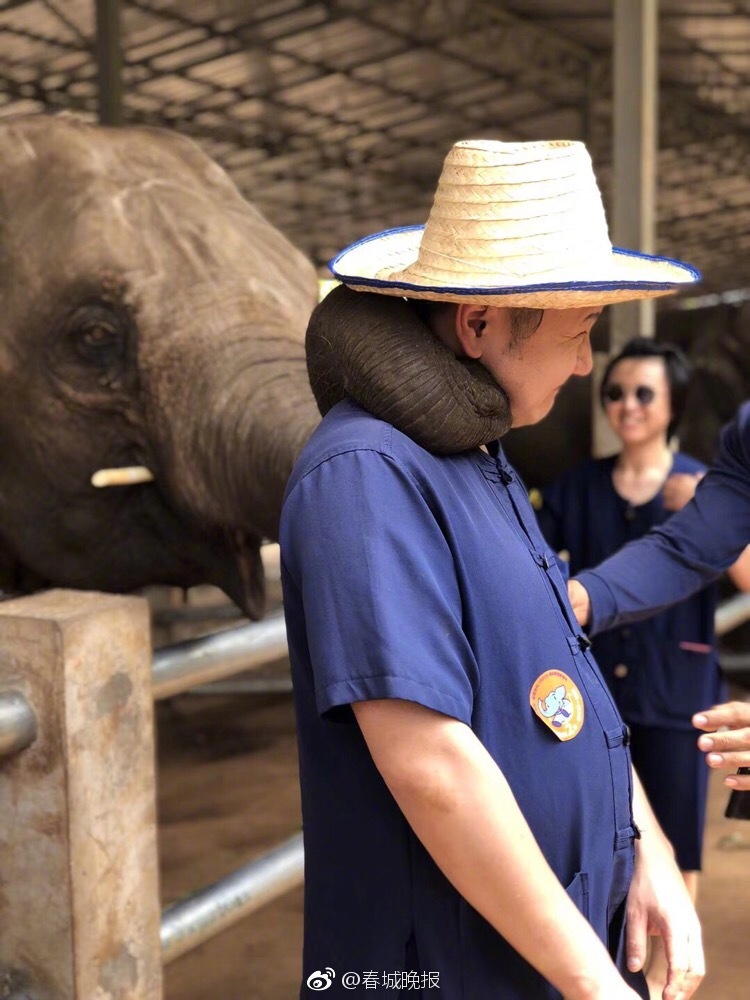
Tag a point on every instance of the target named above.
point(238, 420)
point(377, 350)
point(227, 413)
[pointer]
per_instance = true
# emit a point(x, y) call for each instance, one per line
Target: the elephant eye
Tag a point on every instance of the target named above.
point(99, 343)
point(92, 350)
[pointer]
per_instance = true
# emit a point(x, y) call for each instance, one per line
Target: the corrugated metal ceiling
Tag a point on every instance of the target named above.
point(334, 116)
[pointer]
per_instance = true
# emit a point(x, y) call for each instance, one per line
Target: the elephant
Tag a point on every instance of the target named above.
point(153, 322)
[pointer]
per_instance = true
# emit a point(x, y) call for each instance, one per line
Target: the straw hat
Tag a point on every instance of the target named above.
point(512, 224)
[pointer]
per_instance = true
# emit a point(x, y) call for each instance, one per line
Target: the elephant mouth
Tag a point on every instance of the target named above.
point(239, 572)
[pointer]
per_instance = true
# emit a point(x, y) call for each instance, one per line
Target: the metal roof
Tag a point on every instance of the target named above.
point(334, 116)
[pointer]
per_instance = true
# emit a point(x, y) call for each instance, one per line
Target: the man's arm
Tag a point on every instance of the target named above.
point(693, 548)
point(460, 806)
point(659, 903)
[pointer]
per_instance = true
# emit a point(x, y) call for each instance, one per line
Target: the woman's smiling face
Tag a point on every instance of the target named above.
point(633, 416)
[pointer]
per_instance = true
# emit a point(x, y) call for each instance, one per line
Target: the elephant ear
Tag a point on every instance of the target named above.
point(376, 349)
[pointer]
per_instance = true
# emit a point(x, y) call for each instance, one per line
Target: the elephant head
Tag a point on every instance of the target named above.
point(151, 317)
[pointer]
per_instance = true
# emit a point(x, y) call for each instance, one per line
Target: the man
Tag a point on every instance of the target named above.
point(465, 776)
point(694, 547)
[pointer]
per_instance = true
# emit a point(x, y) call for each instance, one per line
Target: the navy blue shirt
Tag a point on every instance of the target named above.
point(662, 670)
point(695, 546)
point(421, 577)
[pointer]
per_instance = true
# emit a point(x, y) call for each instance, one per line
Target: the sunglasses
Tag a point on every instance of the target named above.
point(615, 394)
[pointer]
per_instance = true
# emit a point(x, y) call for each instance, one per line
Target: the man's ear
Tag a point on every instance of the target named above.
point(470, 327)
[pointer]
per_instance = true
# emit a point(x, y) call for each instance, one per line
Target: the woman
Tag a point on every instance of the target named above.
point(663, 670)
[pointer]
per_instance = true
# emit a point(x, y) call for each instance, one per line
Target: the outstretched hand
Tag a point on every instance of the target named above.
point(730, 749)
point(579, 598)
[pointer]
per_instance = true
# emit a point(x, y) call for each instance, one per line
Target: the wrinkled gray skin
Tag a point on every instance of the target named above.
point(149, 315)
point(376, 349)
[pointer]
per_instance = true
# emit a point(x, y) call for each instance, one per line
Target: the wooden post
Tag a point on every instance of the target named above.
point(79, 894)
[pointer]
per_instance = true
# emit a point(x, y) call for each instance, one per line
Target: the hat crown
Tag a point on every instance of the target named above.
point(515, 212)
point(512, 224)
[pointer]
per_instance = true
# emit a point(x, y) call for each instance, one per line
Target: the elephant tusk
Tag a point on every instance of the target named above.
point(128, 475)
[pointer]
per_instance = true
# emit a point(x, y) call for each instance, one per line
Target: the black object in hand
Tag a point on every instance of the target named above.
point(738, 806)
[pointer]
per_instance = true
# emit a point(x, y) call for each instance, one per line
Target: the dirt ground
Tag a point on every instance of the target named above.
point(228, 791)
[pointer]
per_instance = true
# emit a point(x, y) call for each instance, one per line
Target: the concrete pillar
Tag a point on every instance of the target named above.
point(634, 162)
point(79, 896)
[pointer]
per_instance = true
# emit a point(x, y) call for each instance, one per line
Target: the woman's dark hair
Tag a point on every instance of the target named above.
point(676, 366)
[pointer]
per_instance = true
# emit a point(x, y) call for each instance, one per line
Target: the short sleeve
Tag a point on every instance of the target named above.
point(378, 589)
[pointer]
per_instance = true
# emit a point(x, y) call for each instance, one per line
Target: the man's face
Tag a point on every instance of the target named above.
point(534, 369)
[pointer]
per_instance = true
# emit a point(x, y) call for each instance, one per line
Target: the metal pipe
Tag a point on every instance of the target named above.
point(200, 661)
point(248, 685)
point(735, 663)
point(731, 613)
point(209, 911)
point(17, 723)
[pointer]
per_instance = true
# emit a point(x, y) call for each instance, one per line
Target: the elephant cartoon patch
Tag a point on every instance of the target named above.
point(557, 701)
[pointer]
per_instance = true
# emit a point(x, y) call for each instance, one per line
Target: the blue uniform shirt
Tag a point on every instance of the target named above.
point(425, 578)
point(662, 670)
point(695, 546)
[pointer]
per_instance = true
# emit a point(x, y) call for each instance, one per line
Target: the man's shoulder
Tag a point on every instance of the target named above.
point(348, 428)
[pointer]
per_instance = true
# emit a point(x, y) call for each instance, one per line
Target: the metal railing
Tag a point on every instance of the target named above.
point(209, 911)
point(210, 658)
point(731, 613)
point(17, 723)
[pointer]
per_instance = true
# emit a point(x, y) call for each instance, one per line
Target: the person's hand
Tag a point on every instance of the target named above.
point(579, 598)
point(680, 488)
point(659, 904)
point(730, 749)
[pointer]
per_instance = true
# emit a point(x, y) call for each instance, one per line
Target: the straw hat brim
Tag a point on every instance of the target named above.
point(381, 263)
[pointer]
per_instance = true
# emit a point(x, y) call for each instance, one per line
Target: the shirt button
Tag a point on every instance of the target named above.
point(620, 670)
point(626, 633)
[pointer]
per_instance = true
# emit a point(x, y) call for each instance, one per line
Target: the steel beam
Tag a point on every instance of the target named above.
point(109, 61)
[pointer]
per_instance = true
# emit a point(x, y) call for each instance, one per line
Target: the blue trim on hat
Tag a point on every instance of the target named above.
point(555, 286)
